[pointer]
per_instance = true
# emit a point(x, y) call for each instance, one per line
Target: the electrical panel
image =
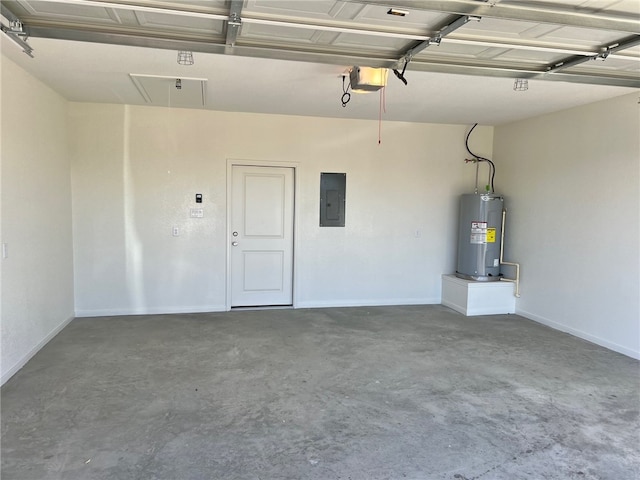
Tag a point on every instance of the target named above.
point(333, 199)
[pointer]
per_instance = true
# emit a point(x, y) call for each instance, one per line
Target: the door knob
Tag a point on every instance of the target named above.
point(235, 244)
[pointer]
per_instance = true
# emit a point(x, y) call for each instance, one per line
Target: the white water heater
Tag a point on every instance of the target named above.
point(479, 236)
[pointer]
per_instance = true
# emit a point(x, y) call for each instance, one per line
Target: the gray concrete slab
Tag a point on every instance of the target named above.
point(409, 392)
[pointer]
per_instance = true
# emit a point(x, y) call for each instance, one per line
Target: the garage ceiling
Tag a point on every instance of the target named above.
point(462, 51)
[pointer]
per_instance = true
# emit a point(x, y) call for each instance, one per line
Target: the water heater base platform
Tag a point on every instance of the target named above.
point(471, 298)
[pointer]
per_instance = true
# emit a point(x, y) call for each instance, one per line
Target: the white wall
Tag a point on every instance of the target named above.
point(136, 171)
point(571, 181)
point(37, 275)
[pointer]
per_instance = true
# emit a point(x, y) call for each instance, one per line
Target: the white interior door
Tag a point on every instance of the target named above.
point(261, 236)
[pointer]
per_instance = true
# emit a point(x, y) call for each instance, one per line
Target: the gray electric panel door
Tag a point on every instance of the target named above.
point(479, 236)
point(332, 199)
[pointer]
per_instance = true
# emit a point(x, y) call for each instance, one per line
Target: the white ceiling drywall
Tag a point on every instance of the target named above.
point(90, 72)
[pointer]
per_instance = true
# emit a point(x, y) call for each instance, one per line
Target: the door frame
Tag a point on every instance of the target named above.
point(232, 162)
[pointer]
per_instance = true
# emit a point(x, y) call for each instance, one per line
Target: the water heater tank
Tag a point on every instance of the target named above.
point(479, 236)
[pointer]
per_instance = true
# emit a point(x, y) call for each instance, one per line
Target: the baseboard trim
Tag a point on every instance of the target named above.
point(23, 361)
point(367, 303)
point(580, 334)
point(112, 312)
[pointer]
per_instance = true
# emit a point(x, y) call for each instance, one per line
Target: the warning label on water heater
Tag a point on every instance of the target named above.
point(478, 232)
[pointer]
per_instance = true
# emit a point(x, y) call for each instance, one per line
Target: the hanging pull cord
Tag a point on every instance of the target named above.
point(346, 96)
point(401, 75)
point(383, 108)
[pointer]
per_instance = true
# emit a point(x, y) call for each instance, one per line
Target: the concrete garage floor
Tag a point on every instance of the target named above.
point(415, 392)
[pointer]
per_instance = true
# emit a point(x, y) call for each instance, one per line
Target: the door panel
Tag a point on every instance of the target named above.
point(262, 236)
point(264, 206)
point(263, 271)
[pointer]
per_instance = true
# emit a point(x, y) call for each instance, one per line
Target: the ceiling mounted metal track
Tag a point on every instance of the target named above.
point(515, 72)
point(234, 22)
point(332, 57)
point(522, 11)
point(604, 53)
point(449, 27)
point(232, 41)
point(16, 33)
point(15, 30)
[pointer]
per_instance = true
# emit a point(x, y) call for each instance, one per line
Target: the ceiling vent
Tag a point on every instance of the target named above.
point(165, 91)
